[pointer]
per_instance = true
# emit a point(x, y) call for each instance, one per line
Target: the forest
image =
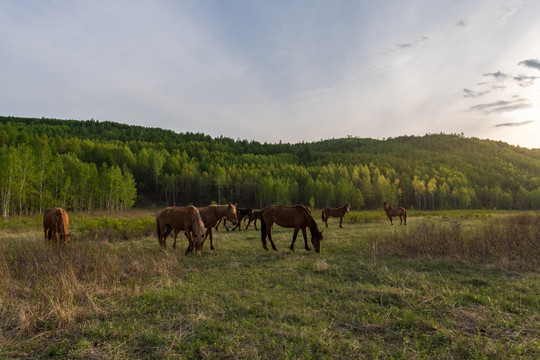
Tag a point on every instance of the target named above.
point(94, 165)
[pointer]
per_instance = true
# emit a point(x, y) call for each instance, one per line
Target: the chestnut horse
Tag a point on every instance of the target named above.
point(297, 217)
point(212, 214)
point(55, 225)
point(188, 219)
point(399, 211)
point(335, 212)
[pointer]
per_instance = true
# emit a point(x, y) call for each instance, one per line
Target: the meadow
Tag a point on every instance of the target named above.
point(449, 285)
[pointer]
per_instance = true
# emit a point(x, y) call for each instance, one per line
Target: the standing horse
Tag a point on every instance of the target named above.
point(242, 214)
point(55, 225)
point(212, 214)
point(399, 211)
point(255, 214)
point(188, 219)
point(335, 212)
point(297, 217)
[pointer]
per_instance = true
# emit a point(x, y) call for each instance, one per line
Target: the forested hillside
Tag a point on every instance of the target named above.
point(90, 165)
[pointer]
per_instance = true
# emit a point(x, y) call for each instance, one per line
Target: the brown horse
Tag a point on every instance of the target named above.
point(255, 214)
point(399, 211)
point(212, 214)
point(242, 214)
point(297, 217)
point(188, 219)
point(55, 225)
point(335, 212)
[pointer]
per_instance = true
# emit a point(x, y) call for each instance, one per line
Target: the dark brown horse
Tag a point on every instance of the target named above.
point(242, 214)
point(176, 219)
point(255, 214)
point(212, 214)
point(399, 211)
point(55, 225)
point(297, 217)
point(335, 212)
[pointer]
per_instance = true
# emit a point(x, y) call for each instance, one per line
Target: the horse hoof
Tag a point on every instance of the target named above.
point(265, 248)
point(308, 249)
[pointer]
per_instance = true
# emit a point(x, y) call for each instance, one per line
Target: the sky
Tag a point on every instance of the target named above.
point(270, 71)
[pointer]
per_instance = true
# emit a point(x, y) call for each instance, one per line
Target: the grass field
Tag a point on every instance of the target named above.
point(113, 293)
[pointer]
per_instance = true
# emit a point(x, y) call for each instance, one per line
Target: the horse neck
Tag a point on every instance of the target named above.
point(312, 225)
point(313, 228)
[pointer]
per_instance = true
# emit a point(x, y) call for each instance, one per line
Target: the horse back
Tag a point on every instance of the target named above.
point(287, 216)
point(175, 216)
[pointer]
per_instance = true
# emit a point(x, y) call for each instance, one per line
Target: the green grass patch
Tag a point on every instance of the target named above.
point(131, 299)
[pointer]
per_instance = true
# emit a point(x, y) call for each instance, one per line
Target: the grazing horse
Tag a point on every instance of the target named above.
point(212, 214)
point(335, 212)
point(297, 217)
point(242, 214)
point(55, 225)
point(399, 211)
point(188, 219)
point(255, 214)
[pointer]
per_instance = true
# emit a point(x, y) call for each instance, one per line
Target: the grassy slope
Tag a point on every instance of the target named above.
point(130, 299)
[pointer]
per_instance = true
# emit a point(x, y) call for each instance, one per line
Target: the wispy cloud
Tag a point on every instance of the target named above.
point(462, 23)
point(532, 63)
point(413, 43)
point(473, 94)
point(524, 80)
point(514, 124)
point(497, 75)
point(507, 10)
point(501, 106)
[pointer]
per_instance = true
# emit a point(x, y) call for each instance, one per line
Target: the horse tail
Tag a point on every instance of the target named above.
point(158, 228)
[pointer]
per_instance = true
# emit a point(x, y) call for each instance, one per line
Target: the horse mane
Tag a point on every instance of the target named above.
point(313, 225)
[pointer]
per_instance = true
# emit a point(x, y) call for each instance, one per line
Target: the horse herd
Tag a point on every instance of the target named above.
point(194, 220)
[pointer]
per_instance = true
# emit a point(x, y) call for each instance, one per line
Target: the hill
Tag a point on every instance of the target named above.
point(87, 165)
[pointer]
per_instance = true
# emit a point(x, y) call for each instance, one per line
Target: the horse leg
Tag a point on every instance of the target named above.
point(295, 234)
point(400, 219)
point(390, 217)
point(341, 222)
point(190, 242)
point(305, 239)
point(165, 232)
point(270, 238)
point(175, 234)
point(210, 233)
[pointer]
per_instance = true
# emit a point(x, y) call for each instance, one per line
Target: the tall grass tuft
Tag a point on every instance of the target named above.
point(509, 242)
point(47, 287)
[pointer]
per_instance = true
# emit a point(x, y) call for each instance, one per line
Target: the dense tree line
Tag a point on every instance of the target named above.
point(88, 165)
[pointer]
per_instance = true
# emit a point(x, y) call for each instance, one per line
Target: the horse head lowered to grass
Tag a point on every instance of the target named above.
point(297, 217)
point(55, 225)
point(187, 219)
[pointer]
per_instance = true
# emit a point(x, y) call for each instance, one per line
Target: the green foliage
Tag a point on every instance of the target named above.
point(90, 165)
point(131, 299)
